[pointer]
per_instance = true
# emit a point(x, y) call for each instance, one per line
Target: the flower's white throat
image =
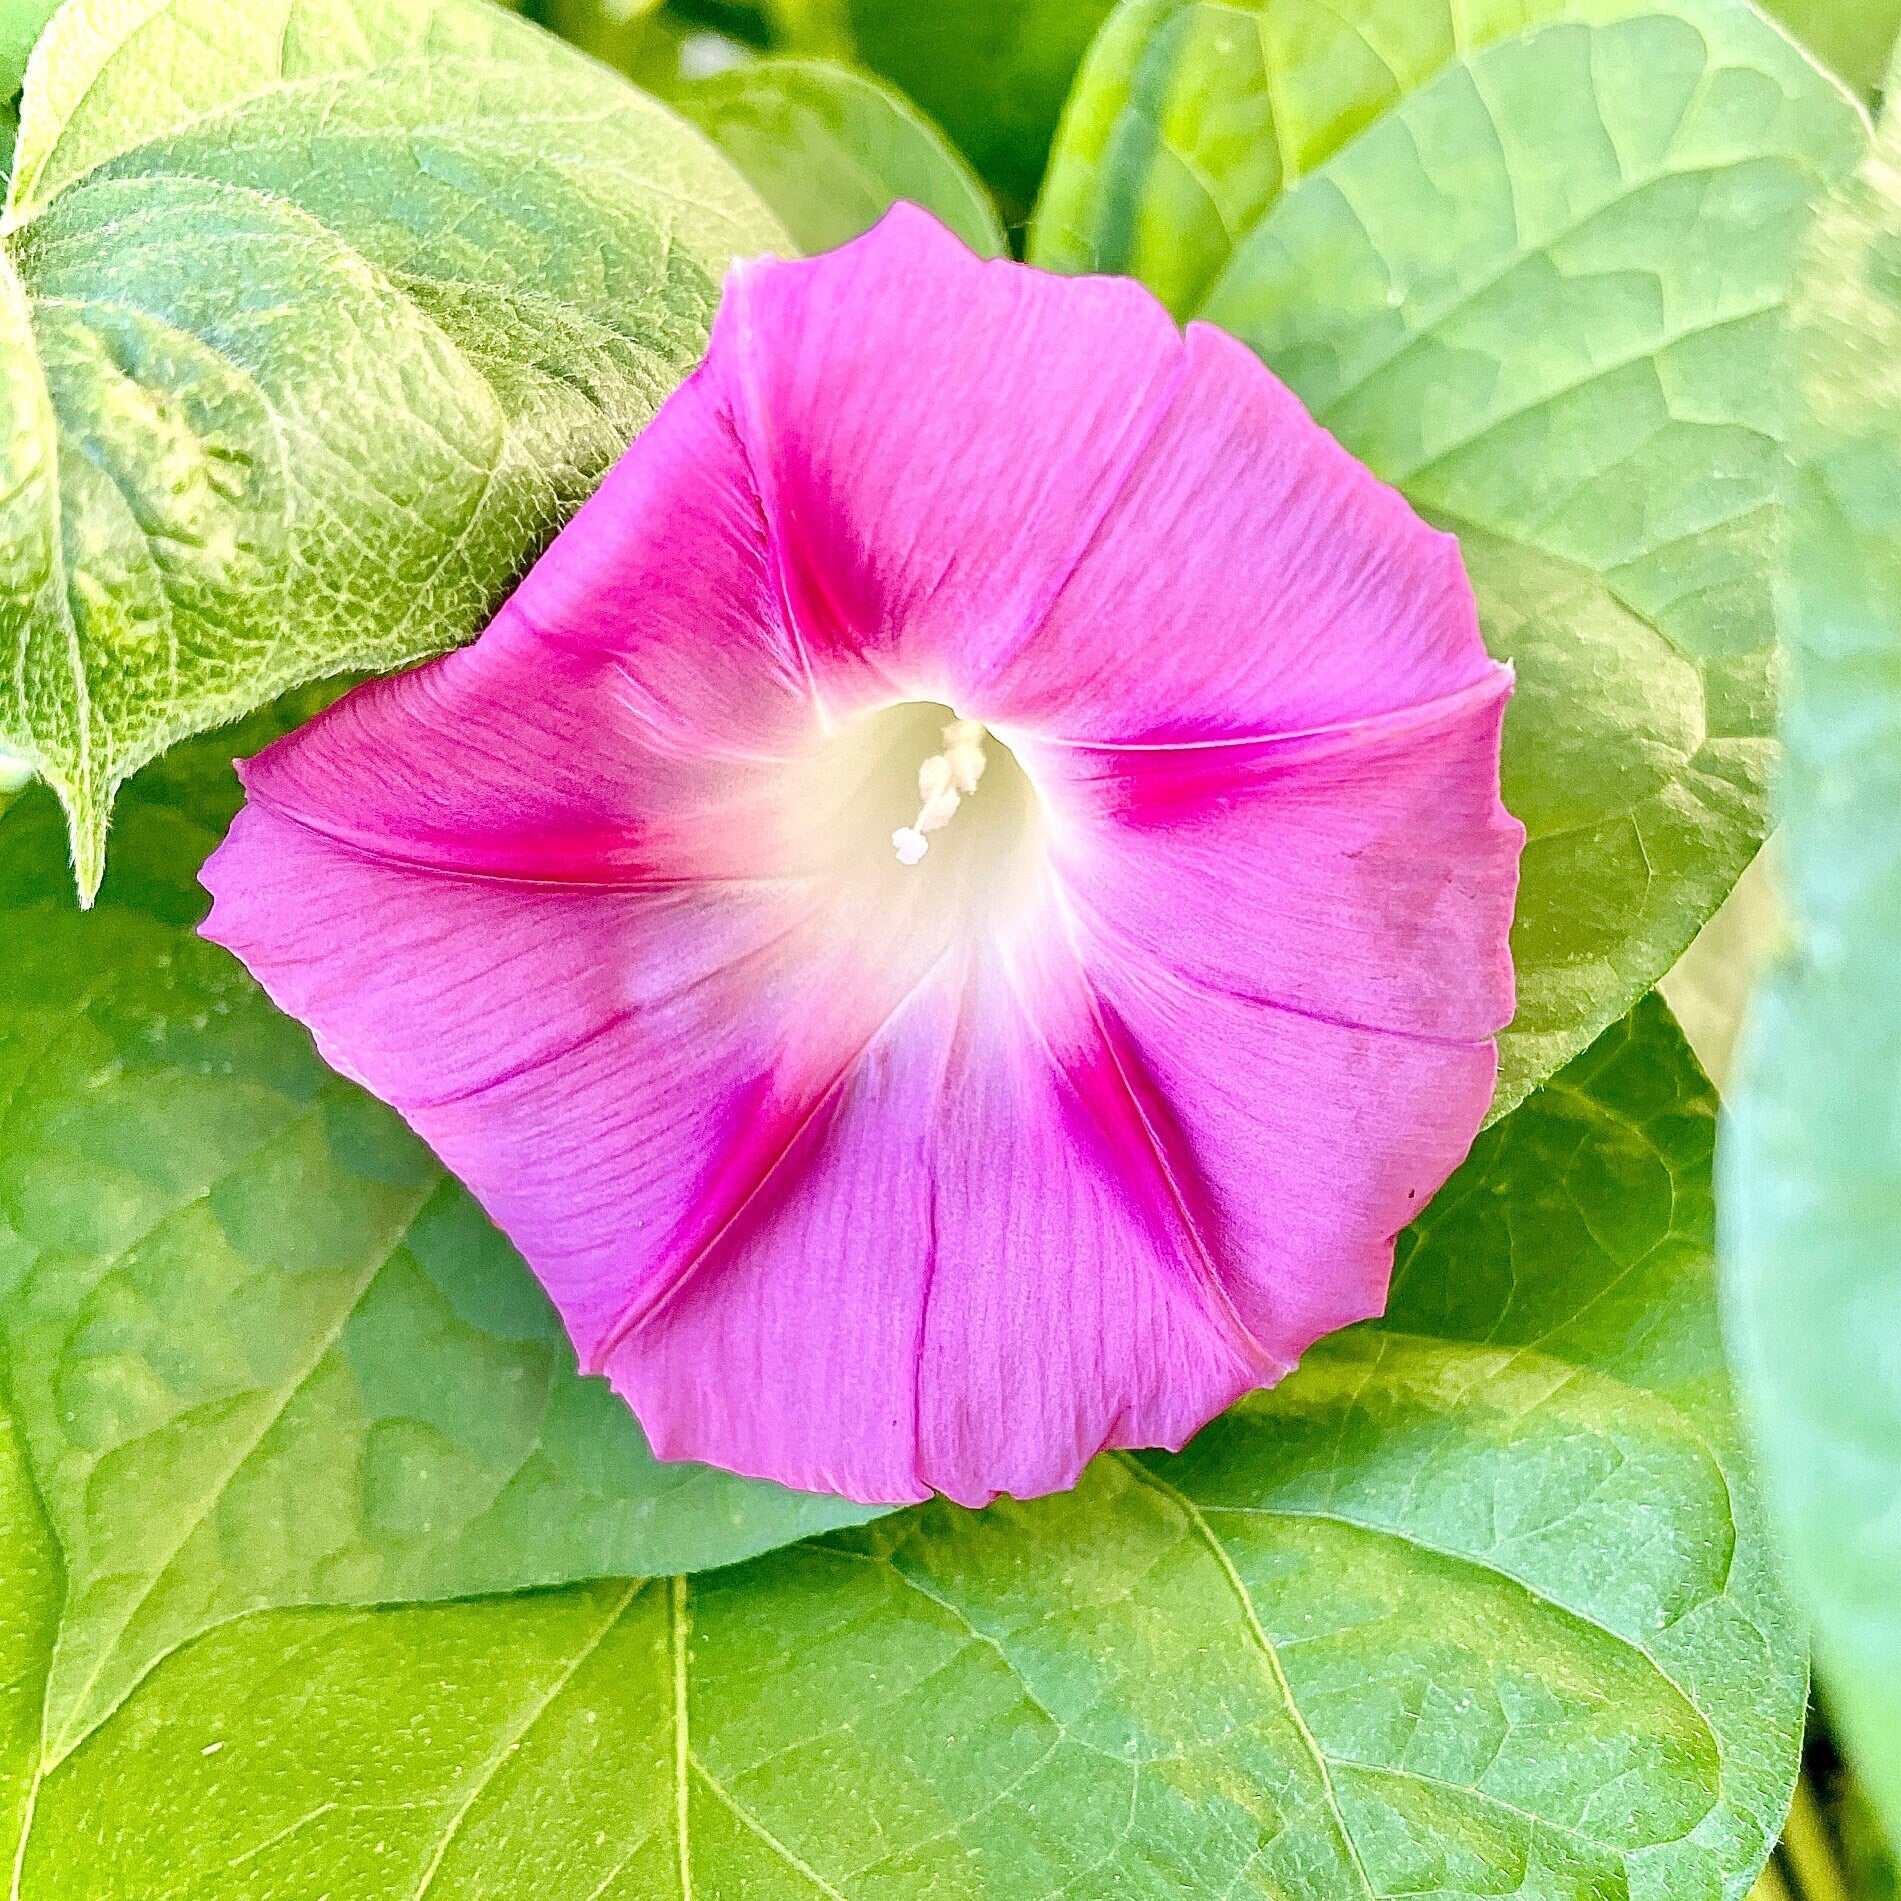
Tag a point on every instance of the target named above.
point(916, 820)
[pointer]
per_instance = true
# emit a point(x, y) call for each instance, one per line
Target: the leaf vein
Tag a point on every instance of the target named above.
point(539, 1708)
point(1265, 1645)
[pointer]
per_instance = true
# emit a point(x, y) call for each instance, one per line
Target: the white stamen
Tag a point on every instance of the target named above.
point(964, 748)
point(944, 781)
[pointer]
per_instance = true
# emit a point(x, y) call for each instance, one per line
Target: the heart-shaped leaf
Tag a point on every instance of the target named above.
point(830, 150)
point(261, 1349)
point(318, 316)
point(1539, 284)
point(1812, 1170)
point(1475, 1603)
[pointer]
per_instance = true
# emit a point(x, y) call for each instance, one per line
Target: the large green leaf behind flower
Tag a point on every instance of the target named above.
point(1528, 259)
point(1474, 1604)
point(318, 316)
point(1812, 1169)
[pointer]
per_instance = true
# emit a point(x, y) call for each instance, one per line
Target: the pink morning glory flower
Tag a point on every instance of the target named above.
point(959, 908)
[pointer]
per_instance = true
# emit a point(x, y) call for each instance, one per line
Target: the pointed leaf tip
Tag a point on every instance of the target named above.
point(86, 829)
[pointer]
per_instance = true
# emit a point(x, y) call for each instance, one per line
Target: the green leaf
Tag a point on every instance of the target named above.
point(992, 73)
point(1474, 1604)
point(1539, 285)
point(21, 23)
point(30, 1593)
point(830, 150)
point(262, 1350)
point(1812, 1171)
point(1855, 37)
point(1191, 117)
point(321, 315)
point(820, 28)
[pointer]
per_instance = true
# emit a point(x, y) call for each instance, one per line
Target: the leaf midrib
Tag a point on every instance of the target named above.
point(1269, 1652)
point(1466, 1560)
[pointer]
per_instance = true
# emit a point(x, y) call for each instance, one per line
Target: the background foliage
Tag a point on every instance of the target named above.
point(1814, 1166)
point(1480, 1600)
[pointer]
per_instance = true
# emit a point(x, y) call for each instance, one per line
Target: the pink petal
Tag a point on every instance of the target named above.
point(1258, 579)
point(585, 1060)
point(1305, 1187)
point(665, 576)
point(984, 1203)
point(1031, 496)
point(1364, 873)
point(606, 1034)
point(630, 691)
point(934, 484)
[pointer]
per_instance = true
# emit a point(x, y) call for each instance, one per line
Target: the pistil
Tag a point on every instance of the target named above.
point(944, 781)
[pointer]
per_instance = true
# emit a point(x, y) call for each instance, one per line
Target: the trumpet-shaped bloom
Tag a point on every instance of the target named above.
point(959, 908)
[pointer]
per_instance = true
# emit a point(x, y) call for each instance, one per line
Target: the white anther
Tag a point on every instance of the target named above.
point(944, 781)
point(964, 753)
